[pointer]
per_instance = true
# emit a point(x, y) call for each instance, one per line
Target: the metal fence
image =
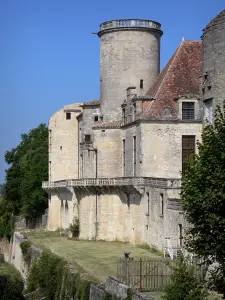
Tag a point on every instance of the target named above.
point(148, 275)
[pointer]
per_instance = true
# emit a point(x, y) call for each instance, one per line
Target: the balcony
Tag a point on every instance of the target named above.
point(137, 183)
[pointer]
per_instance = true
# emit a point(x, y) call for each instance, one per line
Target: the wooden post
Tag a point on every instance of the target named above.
point(140, 273)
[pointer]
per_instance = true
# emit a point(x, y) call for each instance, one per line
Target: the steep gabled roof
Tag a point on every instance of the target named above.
point(180, 77)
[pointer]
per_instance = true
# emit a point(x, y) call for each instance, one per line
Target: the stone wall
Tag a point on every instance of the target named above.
point(63, 144)
point(109, 145)
point(161, 144)
point(214, 60)
point(126, 57)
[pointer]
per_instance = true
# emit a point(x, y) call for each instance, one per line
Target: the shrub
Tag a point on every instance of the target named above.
point(25, 247)
point(11, 286)
point(75, 228)
point(184, 284)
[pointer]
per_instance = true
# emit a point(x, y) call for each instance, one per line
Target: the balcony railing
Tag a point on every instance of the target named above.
point(119, 181)
point(130, 23)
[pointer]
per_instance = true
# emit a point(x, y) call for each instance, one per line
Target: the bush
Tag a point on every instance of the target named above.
point(75, 228)
point(184, 284)
point(10, 288)
point(25, 247)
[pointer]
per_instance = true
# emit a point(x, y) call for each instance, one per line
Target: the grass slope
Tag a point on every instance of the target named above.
point(96, 259)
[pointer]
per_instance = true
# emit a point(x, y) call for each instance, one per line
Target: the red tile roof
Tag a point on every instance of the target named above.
point(180, 77)
point(93, 102)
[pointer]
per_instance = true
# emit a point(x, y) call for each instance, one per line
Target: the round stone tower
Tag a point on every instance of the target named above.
point(213, 39)
point(129, 56)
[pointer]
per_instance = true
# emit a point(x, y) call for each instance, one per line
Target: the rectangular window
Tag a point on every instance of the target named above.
point(188, 148)
point(161, 205)
point(148, 199)
point(188, 110)
point(68, 116)
point(96, 118)
point(124, 158)
point(134, 156)
point(180, 235)
point(123, 116)
point(134, 112)
point(141, 84)
point(87, 138)
point(208, 111)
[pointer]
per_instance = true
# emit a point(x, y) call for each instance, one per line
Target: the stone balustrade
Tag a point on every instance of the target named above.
point(119, 181)
point(130, 23)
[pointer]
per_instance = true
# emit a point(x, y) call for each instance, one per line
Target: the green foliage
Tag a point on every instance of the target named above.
point(11, 283)
point(129, 294)
point(184, 285)
point(6, 219)
point(75, 228)
point(28, 168)
point(203, 195)
point(51, 275)
point(26, 251)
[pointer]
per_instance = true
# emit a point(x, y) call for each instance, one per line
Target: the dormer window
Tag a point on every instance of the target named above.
point(188, 111)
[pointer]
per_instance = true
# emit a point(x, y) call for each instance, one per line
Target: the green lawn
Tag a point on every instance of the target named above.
point(96, 259)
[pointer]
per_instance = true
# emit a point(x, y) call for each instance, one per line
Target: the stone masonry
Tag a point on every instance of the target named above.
point(116, 163)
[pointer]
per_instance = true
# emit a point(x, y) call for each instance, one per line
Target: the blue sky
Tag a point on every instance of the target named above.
point(49, 56)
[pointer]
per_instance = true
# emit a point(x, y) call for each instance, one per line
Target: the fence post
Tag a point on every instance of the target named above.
point(140, 273)
point(127, 270)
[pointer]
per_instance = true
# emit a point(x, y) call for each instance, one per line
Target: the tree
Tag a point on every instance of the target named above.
point(184, 285)
point(28, 168)
point(203, 196)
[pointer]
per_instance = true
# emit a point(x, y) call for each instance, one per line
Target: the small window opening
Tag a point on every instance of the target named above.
point(148, 212)
point(60, 147)
point(203, 91)
point(134, 112)
point(68, 116)
point(103, 130)
point(87, 138)
point(141, 84)
point(123, 116)
point(96, 118)
point(161, 205)
point(209, 87)
point(180, 234)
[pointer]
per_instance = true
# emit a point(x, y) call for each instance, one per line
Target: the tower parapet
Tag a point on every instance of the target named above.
point(129, 56)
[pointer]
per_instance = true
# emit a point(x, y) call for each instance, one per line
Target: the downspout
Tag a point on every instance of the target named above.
point(96, 194)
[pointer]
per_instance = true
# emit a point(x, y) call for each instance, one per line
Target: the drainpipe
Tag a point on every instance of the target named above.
point(96, 195)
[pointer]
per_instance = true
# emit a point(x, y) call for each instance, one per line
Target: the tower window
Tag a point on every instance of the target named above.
point(87, 138)
point(188, 111)
point(96, 118)
point(141, 84)
point(188, 148)
point(68, 116)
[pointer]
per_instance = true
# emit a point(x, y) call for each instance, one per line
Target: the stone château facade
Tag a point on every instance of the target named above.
point(116, 163)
